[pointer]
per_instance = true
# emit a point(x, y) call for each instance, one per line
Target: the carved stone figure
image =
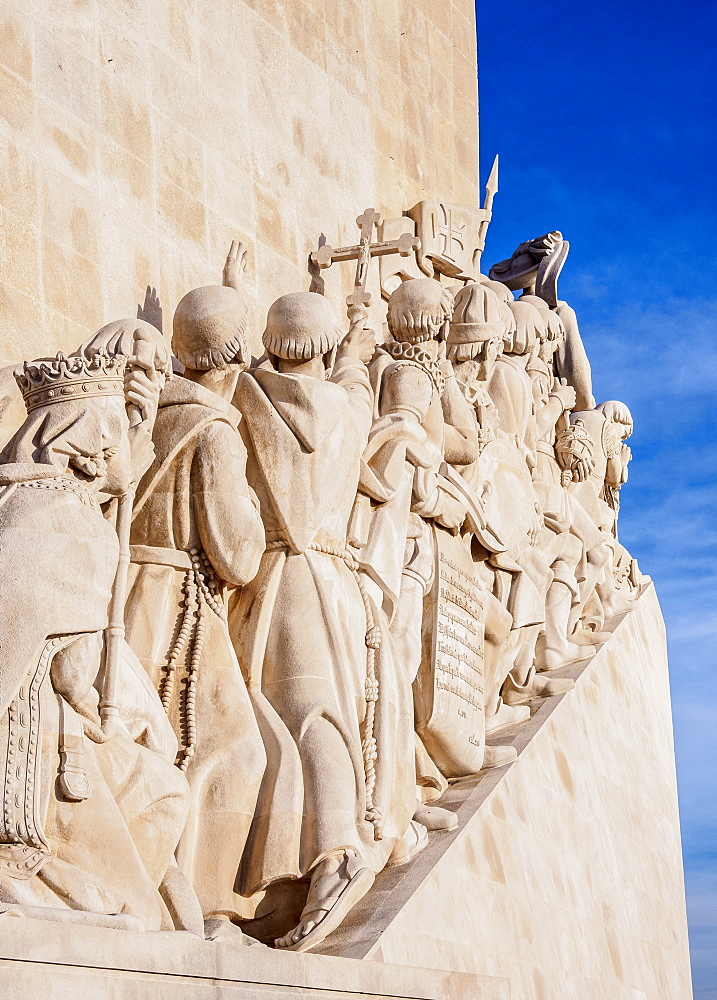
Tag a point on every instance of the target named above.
point(92, 812)
point(481, 321)
point(535, 267)
point(596, 480)
point(577, 551)
point(511, 390)
point(195, 533)
point(279, 607)
point(337, 796)
point(415, 387)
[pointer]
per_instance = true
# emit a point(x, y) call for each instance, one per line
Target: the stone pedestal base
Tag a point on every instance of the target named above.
point(48, 961)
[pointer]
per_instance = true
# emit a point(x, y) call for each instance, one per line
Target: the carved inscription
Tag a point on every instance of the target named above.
point(459, 643)
point(449, 702)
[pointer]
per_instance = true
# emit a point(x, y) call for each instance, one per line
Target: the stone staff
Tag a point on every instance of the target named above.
point(143, 356)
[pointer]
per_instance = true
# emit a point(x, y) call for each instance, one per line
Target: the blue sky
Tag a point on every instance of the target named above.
point(603, 115)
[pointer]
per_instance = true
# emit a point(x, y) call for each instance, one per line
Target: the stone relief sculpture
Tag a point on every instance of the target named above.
point(337, 796)
point(196, 531)
point(283, 601)
point(92, 812)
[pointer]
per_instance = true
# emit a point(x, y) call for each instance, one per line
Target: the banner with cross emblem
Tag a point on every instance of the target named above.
point(452, 239)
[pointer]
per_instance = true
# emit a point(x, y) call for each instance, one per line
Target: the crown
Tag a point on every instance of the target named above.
point(56, 379)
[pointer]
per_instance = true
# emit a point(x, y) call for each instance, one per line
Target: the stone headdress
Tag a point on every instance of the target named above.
point(529, 328)
point(301, 326)
point(418, 310)
point(478, 316)
point(554, 329)
point(61, 428)
point(209, 328)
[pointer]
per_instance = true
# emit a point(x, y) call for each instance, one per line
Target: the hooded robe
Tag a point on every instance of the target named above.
point(195, 496)
point(300, 630)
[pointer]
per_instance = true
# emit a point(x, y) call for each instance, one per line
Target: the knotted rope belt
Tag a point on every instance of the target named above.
point(201, 592)
point(373, 640)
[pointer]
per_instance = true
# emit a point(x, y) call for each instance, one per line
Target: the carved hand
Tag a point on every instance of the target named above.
point(453, 512)
point(235, 265)
point(565, 393)
point(581, 470)
point(536, 525)
point(359, 343)
point(142, 388)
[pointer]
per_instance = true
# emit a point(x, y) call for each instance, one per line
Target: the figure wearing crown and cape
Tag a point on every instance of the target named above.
point(337, 797)
point(91, 812)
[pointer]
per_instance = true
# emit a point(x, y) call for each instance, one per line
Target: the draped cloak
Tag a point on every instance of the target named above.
point(300, 628)
point(195, 495)
point(108, 852)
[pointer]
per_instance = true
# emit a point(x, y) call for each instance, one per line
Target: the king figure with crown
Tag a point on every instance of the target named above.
point(91, 813)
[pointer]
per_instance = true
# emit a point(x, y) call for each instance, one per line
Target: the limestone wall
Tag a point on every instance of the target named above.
point(138, 137)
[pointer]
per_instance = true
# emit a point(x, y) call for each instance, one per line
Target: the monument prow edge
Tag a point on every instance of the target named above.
point(548, 890)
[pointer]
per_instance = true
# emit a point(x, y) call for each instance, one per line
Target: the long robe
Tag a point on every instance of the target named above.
point(108, 852)
point(300, 630)
point(195, 495)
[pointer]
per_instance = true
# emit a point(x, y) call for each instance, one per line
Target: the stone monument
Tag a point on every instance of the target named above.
point(323, 672)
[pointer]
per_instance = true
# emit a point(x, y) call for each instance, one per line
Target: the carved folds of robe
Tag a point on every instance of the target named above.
point(108, 850)
point(300, 627)
point(195, 496)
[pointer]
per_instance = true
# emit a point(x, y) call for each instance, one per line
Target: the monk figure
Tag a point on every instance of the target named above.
point(337, 794)
point(196, 534)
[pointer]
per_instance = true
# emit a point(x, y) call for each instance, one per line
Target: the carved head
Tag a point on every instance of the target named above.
point(553, 334)
point(619, 414)
point(76, 420)
point(419, 310)
point(128, 337)
point(301, 326)
point(529, 328)
point(209, 328)
point(502, 291)
point(479, 323)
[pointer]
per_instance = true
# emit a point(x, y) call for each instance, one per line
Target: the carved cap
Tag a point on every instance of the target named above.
point(554, 329)
point(127, 337)
point(502, 291)
point(301, 326)
point(529, 327)
point(478, 315)
point(209, 328)
point(418, 309)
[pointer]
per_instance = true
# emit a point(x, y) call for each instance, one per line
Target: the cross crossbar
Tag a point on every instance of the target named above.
point(360, 300)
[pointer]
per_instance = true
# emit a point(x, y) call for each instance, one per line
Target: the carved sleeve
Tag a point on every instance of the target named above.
point(461, 444)
point(229, 525)
point(571, 360)
point(352, 375)
point(407, 389)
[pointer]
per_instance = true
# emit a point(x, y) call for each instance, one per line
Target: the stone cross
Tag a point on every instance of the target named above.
point(449, 234)
point(359, 301)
